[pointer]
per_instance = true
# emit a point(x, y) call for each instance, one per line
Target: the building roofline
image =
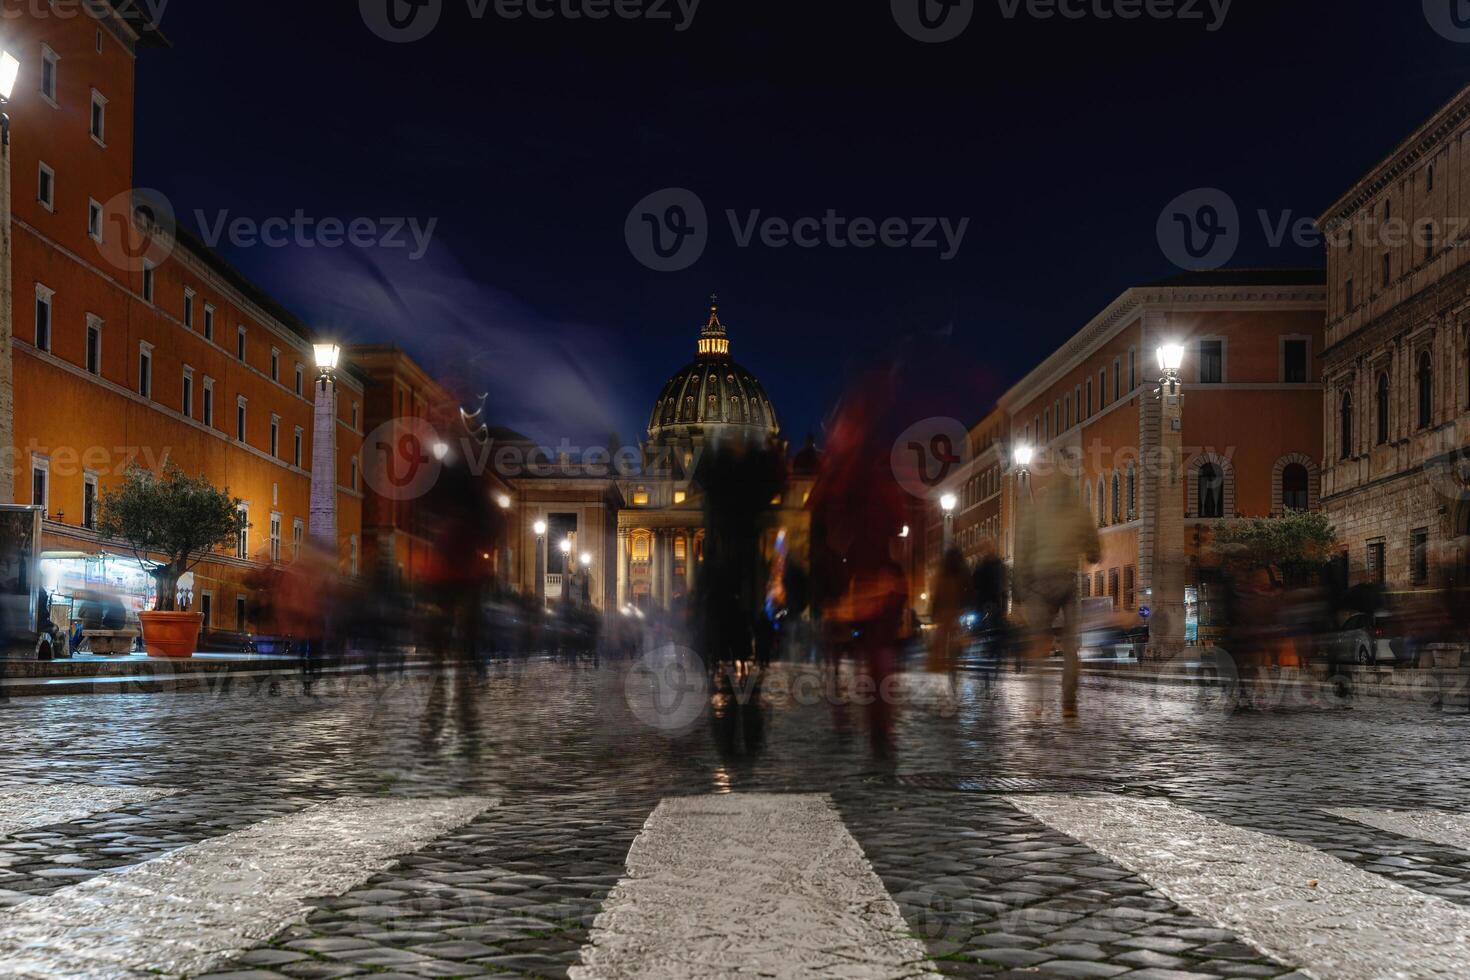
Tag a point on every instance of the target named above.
point(1405, 155)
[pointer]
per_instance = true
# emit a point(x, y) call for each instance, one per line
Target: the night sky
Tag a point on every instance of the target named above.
point(530, 141)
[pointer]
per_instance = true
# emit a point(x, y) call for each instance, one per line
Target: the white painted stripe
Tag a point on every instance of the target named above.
point(1436, 826)
point(190, 911)
point(1293, 902)
point(749, 884)
point(30, 807)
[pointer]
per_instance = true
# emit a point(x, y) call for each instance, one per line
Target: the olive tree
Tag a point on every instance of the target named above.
point(172, 522)
point(1291, 549)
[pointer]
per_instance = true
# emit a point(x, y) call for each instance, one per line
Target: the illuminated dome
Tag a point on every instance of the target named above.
point(713, 397)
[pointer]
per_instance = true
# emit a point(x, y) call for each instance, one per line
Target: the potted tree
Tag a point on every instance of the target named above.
point(172, 522)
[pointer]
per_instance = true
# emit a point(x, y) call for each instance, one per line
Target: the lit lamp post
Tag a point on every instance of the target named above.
point(1167, 608)
point(585, 587)
point(948, 503)
point(324, 450)
point(540, 528)
point(9, 71)
point(1021, 457)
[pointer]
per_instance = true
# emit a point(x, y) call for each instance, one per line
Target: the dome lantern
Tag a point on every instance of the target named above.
point(713, 397)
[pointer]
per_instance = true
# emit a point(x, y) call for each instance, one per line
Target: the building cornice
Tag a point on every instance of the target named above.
point(1408, 154)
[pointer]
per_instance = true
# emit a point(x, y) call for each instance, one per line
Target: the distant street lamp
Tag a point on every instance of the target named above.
point(1166, 624)
point(948, 503)
point(540, 528)
point(9, 71)
point(503, 501)
point(324, 449)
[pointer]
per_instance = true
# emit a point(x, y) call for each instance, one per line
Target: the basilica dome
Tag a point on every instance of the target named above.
point(713, 397)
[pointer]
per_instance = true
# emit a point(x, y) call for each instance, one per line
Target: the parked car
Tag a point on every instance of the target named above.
point(1361, 640)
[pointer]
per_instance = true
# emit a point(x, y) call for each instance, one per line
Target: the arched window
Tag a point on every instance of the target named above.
point(1211, 491)
point(1132, 492)
point(1102, 502)
point(1295, 481)
point(1117, 499)
point(1426, 390)
point(1383, 409)
point(1345, 428)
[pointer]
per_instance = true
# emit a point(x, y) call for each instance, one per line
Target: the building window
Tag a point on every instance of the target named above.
point(50, 67)
point(242, 540)
point(188, 397)
point(1117, 499)
point(1102, 390)
point(640, 497)
point(240, 342)
point(1130, 587)
point(275, 364)
point(94, 220)
point(354, 415)
point(43, 317)
point(1426, 390)
point(1089, 399)
point(93, 352)
point(1132, 493)
point(145, 369)
point(352, 474)
point(1113, 582)
point(240, 613)
point(1117, 378)
point(296, 448)
point(1419, 556)
point(99, 117)
point(298, 535)
point(89, 501)
point(352, 555)
point(298, 379)
point(1132, 369)
point(1294, 362)
point(276, 538)
point(1211, 362)
point(1349, 294)
point(206, 607)
point(149, 278)
point(1102, 502)
point(1068, 403)
point(1377, 572)
point(208, 322)
point(46, 187)
point(1383, 403)
point(206, 413)
point(1429, 177)
point(276, 437)
point(41, 483)
point(189, 308)
point(1345, 427)
point(1429, 233)
point(1211, 491)
point(240, 418)
point(1387, 269)
point(1295, 481)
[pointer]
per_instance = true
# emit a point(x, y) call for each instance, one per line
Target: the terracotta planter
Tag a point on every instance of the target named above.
point(171, 634)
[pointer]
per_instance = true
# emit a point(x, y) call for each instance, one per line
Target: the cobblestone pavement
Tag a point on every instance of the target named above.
point(989, 889)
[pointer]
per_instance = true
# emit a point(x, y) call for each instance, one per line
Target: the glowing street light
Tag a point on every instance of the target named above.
point(948, 503)
point(1171, 359)
point(503, 501)
point(1023, 456)
point(540, 528)
point(327, 357)
point(9, 72)
point(586, 559)
point(566, 546)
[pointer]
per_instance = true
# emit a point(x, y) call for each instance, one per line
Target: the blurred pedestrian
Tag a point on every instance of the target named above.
point(991, 587)
point(951, 600)
point(1056, 533)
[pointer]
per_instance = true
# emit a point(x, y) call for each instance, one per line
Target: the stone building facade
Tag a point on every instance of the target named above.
point(1397, 360)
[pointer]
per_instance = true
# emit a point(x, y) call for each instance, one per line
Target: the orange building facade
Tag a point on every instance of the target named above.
point(1252, 423)
point(168, 355)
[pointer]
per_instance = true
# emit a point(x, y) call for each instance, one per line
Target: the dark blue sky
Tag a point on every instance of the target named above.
point(530, 141)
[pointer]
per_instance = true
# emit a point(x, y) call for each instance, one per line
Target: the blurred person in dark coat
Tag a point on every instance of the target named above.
point(1056, 534)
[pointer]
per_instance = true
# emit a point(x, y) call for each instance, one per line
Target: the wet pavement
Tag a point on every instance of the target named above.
point(571, 770)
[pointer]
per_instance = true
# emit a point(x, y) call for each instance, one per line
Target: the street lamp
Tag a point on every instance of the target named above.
point(503, 501)
point(9, 71)
point(586, 559)
point(324, 449)
point(540, 528)
point(1166, 625)
point(1171, 359)
point(1023, 456)
point(948, 503)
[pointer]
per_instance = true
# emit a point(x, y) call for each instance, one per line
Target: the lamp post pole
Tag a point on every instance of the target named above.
point(1166, 633)
point(324, 451)
point(9, 69)
point(947, 503)
point(540, 529)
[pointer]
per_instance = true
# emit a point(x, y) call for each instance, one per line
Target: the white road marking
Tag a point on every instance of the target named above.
point(1435, 826)
point(31, 807)
point(1291, 901)
point(190, 911)
point(749, 884)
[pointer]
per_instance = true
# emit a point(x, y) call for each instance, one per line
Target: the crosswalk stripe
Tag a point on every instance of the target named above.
point(29, 807)
point(1435, 826)
point(191, 910)
point(757, 884)
point(1293, 902)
